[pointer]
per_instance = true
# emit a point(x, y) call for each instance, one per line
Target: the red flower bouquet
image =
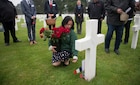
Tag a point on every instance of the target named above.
point(55, 35)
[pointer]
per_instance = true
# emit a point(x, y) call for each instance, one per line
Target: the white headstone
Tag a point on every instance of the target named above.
point(44, 22)
point(89, 44)
point(135, 29)
point(86, 17)
point(22, 17)
point(64, 15)
point(42, 17)
point(16, 23)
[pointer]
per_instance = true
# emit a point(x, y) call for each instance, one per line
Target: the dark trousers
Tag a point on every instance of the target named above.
point(51, 26)
point(127, 30)
point(79, 28)
point(31, 30)
point(119, 31)
point(9, 26)
point(99, 26)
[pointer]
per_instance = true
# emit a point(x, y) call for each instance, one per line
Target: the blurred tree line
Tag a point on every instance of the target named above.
point(64, 6)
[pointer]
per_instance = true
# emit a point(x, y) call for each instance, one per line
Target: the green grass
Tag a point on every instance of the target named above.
point(22, 64)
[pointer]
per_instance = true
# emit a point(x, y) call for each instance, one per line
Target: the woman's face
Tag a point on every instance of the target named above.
point(69, 24)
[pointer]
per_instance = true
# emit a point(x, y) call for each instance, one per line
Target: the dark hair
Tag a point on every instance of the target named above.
point(66, 20)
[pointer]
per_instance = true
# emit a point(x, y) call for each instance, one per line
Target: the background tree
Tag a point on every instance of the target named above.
point(39, 6)
point(64, 6)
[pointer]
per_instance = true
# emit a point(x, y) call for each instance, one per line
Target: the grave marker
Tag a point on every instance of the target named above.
point(89, 44)
point(135, 29)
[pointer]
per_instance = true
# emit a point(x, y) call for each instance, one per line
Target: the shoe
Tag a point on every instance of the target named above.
point(107, 50)
point(125, 42)
point(15, 41)
point(31, 43)
point(117, 52)
point(34, 42)
point(7, 44)
point(66, 63)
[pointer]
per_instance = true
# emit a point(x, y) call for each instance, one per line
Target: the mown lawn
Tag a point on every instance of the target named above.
point(22, 64)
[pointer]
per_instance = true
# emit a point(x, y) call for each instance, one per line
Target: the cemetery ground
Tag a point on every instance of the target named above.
point(22, 64)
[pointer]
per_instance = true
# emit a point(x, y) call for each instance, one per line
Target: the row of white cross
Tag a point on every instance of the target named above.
point(91, 40)
point(41, 17)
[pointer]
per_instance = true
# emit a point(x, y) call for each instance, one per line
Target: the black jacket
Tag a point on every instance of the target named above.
point(48, 10)
point(8, 11)
point(96, 10)
point(111, 7)
point(79, 19)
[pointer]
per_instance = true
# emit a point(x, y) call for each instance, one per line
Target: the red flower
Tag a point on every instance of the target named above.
point(42, 30)
point(59, 32)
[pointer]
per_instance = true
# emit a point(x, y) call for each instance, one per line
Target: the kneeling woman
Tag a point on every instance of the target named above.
point(67, 45)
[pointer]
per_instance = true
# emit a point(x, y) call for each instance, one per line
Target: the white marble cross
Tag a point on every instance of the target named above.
point(135, 29)
point(89, 43)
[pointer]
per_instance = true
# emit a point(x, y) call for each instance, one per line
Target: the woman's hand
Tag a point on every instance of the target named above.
point(52, 48)
point(75, 59)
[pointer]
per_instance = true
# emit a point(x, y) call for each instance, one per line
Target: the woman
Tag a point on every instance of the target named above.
point(79, 10)
point(67, 47)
